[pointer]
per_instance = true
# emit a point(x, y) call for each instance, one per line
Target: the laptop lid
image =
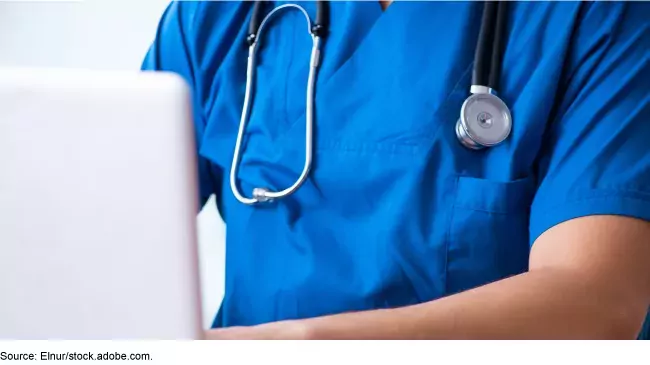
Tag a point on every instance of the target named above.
point(98, 206)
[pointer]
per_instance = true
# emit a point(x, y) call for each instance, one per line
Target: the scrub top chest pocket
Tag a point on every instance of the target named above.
point(488, 235)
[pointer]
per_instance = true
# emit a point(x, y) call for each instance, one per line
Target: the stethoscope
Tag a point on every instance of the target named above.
point(485, 120)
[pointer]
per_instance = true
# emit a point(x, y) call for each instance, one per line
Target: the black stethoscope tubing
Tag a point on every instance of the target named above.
point(485, 120)
point(489, 48)
point(487, 60)
point(319, 28)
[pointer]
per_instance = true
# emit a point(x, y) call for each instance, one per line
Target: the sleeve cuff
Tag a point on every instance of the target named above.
point(637, 206)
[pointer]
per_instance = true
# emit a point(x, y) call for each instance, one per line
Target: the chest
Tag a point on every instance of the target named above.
point(390, 84)
point(388, 168)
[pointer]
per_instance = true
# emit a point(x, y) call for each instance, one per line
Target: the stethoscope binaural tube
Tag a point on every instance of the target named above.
point(485, 120)
point(318, 31)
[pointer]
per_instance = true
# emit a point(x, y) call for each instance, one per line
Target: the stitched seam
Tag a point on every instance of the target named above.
point(546, 211)
point(421, 136)
point(495, 212)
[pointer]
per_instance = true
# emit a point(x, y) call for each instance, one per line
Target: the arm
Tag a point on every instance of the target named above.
point(580, 285)
point(589, 271)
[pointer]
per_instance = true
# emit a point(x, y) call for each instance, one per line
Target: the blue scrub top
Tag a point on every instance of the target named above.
point(396, 211)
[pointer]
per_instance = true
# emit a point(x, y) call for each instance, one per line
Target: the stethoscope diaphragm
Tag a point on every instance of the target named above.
point(485, 121)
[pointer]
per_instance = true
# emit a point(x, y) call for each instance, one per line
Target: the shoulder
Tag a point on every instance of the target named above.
point(195, 38)
point(188, 31)
point(203, 21)
point(595, 158)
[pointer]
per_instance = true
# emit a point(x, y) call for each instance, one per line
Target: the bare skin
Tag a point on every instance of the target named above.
point(385, 4)
point(588, 279)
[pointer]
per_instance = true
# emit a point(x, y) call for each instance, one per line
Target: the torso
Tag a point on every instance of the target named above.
point(395, 211)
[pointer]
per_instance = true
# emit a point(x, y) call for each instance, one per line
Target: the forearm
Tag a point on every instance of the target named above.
point(541, 304)
point(589, 278)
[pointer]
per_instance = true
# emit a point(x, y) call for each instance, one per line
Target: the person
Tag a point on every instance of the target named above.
point(400, 231)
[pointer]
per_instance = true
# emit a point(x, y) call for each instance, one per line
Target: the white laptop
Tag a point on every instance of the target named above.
point(97, 206)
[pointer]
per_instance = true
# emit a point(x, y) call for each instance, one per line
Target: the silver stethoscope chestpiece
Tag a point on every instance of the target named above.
point(485, 121)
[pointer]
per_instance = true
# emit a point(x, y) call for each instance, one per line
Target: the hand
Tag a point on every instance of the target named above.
point(286, 330)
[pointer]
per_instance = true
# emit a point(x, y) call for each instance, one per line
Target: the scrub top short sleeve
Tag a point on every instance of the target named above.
point(396, 211)
point(597, 150)
point(164, 55)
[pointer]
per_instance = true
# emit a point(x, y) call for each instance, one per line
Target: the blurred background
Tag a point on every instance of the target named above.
point(103, 34)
